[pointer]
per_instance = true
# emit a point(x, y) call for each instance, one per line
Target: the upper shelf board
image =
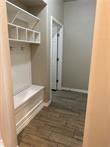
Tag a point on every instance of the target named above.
point(33, 3)
point(16, 13)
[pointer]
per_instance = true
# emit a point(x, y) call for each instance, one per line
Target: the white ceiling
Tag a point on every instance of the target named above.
point(69, 0)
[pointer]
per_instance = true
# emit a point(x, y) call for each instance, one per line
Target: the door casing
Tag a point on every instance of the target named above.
point(60, 53)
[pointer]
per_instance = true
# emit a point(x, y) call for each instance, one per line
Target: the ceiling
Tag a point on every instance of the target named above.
point(69, 0)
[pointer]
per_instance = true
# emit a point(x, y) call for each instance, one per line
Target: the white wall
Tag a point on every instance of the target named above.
point(21, 66)
point(78, 32)
point(56, 9)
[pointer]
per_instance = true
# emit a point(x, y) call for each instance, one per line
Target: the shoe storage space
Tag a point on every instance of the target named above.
point(30, 36)
point(21, 34)
point(12, 32)
point(36, 37)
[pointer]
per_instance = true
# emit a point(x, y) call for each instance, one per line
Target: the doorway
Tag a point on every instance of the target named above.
point(56, 54)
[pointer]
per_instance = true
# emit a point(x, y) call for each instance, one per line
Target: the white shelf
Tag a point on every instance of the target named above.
point(22, 25)
point(19, 16)
point(21, 34)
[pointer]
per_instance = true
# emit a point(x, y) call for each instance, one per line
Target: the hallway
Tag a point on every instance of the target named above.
point(59, 125)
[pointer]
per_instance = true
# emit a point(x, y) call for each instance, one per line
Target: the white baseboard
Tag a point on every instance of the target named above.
point(76, 90)
point(29, 116)
point(46, 104)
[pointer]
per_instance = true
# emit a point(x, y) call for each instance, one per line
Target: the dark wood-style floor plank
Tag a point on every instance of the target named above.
point(59, 125)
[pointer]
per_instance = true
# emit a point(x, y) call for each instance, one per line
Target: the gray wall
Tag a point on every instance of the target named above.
point(56, 9)
point(41, 53)
point(78, 33)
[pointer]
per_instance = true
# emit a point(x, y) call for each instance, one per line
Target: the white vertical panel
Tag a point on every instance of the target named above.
point(56, 52)
point(21, 66)
point(54, 56)
point(60, 53)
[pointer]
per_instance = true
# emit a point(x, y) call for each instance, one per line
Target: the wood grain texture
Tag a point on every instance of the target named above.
point(59, 125)
point(97, 128)
point(7, 120)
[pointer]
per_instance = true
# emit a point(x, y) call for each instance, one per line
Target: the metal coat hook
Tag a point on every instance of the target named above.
point(11, 48)
point(22, 48)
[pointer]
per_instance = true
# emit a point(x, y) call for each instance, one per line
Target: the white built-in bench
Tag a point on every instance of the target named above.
point(27, 104)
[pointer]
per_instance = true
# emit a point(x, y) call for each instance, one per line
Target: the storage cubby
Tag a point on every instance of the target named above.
point(21, 34)
point(20, 21)
point(30, 36)
point(36, 37)
point(12, 32)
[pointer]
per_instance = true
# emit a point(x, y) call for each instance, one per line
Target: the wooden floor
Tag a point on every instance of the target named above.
point(59, 125)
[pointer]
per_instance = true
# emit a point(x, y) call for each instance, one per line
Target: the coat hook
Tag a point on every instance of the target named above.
point(22, 48)
point(11, 48)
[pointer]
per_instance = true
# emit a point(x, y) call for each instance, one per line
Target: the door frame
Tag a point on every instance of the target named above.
point(53, 19)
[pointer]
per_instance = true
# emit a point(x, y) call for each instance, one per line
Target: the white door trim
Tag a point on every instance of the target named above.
point(53, 19)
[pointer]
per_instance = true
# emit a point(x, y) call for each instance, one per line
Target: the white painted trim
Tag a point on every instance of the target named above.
point(47, 104)
point(29, 116)
point(61, 56)
point(76, 90)
point(57, 21)
point(60, 53)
